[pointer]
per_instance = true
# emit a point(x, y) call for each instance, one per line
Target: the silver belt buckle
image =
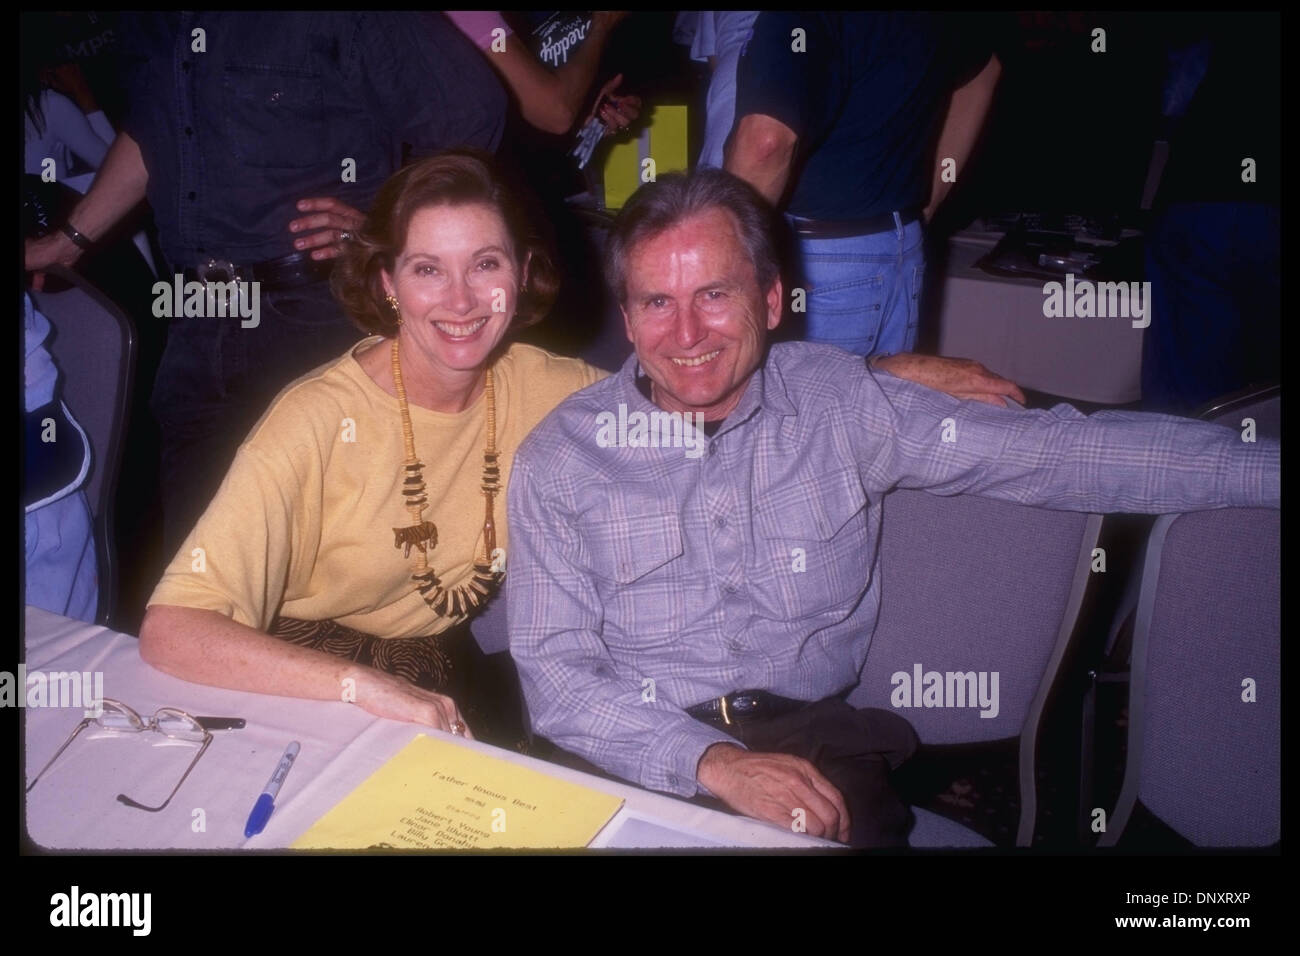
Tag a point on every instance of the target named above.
point(225, 272)
point(217, 270)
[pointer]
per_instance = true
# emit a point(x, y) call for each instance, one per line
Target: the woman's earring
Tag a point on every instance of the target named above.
point(392, 304)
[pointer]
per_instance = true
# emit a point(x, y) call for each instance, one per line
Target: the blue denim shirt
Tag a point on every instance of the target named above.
point(234, 136)
point(753, 566)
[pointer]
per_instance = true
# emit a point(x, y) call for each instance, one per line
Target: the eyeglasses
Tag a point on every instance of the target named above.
point(169, 721)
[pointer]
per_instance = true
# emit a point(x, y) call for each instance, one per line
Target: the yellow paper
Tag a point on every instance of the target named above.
point(438, 795)
point(662, 140)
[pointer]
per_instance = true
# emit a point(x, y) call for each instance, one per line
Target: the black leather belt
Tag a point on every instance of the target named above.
point(744, 703)
point(848, 228)
point(296, 269)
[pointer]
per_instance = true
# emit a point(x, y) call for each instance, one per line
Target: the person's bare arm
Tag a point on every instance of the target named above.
point(209, 648)
point(552, 99)
point(761, 152)
point(961, 128)
point(771, 786)
point(118, 187)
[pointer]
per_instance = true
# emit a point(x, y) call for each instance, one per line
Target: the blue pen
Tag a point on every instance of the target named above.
point(266, 802)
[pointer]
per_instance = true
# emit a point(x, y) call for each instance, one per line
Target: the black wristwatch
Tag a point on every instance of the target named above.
point(81, 240)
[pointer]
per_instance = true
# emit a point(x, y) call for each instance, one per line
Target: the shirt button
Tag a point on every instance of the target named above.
point(193, 195)
point(186, 66)
point(189, 131)
point(733, 644)
point(721, 522)
point(730, 589)
point(713, 448)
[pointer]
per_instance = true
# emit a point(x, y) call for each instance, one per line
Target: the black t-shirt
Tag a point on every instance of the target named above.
point(643, 386)
point(866, 95)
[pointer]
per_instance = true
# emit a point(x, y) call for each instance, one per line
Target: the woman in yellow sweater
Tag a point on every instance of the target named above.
point(361, 524)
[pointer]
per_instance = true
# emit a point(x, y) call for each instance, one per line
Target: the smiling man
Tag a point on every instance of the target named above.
point(691, 623)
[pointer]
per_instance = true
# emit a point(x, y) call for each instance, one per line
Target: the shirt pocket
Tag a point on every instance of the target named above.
point(275, 116)
point(814, 549)
point(635, 544)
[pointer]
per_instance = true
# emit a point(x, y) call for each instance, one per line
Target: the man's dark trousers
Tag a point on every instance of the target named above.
point(856, 750)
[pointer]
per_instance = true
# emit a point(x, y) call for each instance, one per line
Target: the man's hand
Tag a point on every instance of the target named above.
point(772, 786)
point(960, 378)
point(332, 217)
point(56, 249)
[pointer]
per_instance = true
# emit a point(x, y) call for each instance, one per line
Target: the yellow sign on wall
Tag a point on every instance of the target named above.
point(659, 149)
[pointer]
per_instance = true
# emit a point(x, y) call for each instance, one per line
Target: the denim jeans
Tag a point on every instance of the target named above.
point(217, 378)
point(864, 292)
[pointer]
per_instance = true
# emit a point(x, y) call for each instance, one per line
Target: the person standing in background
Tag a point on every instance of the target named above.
point(551, 99)
point(258, 137)
point(61, 568)
point(837, 119)
point(1214, 248)
point(716, 37)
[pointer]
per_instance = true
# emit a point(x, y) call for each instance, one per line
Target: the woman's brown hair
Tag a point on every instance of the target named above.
point(452, 177)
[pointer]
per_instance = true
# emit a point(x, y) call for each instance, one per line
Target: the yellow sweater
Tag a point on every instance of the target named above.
point(302, 525)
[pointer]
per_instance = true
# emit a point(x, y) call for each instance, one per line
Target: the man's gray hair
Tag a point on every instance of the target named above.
point(675, 197)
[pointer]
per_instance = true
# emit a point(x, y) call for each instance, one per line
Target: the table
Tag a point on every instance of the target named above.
point(75, 807)
point(1000, 322)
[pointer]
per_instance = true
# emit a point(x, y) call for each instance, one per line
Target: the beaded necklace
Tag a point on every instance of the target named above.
point(464, 598)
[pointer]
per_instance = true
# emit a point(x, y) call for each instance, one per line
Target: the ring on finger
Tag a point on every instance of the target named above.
point(345, 235)
point(458, 728)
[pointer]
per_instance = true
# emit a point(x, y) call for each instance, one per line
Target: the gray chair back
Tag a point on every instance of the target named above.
point(1201, 756)
point(94, 347)
point(974, 587)
point(1263, 404)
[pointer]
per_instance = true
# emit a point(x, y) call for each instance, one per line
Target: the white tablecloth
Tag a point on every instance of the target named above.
point(1000, 322)
point(75, 804)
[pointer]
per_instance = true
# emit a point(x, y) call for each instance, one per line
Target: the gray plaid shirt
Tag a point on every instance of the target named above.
point(643, 580)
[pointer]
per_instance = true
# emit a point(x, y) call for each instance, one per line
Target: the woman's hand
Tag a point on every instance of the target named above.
point(386, 695)
point(333, 218)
